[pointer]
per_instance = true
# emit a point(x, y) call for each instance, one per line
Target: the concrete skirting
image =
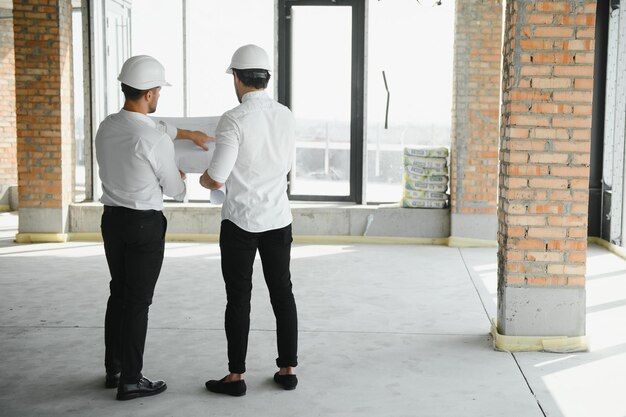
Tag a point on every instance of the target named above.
point(541, 312)
point(478, 226)
point(302, 239)
point(8, 198)
point(198, 221)
point(43, 220)
point(5, 198)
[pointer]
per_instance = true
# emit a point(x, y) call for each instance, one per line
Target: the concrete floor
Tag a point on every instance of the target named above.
point(386, 330)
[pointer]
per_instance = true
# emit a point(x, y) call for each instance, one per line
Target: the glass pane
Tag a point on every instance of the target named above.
point(212, 39)
point(157, 30)
point(79, 106)
point(320, 99)
point(419, 78)
point(117, 51)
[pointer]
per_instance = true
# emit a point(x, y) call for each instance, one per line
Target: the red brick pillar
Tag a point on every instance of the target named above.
point(44, 102)
point(475, 119)
point(8, 142)
point(544, 167)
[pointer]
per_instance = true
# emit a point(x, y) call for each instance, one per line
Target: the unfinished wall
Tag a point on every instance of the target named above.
point(475, 121)
point(8, 142)
point(45, 131)
point(544, 172)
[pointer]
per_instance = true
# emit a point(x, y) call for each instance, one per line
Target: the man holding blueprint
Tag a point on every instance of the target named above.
point(136, 165)
point(254, 152)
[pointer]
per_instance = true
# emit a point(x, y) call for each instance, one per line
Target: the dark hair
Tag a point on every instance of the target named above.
point(131, 93)
point(255, 78)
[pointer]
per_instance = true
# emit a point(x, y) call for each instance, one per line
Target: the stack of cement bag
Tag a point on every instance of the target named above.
point(425, 177)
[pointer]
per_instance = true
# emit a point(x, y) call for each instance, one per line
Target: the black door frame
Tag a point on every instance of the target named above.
point(357, 107)
point(599, 222)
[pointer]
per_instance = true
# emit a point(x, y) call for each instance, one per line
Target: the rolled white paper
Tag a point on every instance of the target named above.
point(192, 159)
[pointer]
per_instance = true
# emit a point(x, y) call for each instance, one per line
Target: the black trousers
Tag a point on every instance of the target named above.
point(134, 243)
point(238, 248)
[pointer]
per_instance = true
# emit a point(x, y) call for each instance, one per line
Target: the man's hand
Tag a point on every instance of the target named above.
point(201, 138)
point(196, 136)
point(210, 183)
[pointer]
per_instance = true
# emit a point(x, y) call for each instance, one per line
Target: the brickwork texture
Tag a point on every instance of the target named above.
point(8, 141)
point(476, 100)
point(548, 56)
point(44, 109)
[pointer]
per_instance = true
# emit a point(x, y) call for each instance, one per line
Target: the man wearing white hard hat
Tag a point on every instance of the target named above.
point(136, 166)
point(253, 155)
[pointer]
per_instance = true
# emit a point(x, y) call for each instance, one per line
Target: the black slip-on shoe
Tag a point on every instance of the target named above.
point(288, 382)
point(143, 388)
point(235, 388)
point(112, 380)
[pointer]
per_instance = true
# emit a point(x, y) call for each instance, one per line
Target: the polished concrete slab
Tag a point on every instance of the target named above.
point(385, 330)
point(592, 383)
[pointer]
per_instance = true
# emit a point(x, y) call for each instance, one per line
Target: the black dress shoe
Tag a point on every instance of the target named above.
point(235, 388)
point(288, 382)
point(112, 380)
point(143, 388)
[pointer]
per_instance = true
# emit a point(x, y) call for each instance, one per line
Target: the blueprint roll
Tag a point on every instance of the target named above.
point(218, 196)
point(190, 158)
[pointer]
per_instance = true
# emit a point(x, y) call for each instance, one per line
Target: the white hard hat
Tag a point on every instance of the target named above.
point(249, 57)
point(143, 72)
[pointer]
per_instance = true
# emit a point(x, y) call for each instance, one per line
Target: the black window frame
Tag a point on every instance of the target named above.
point(357, 107)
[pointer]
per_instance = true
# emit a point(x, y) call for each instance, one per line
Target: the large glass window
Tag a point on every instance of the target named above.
point(79, 106)
point(157, 30)
point(215, 30)
point(321, 99)
point(412, 42)
point(195, 43)
point(322, 82)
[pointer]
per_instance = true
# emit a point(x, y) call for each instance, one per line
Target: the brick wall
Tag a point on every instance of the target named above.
point(43, 74)
point(8, 142)
point(545, 143)
point(475, 113)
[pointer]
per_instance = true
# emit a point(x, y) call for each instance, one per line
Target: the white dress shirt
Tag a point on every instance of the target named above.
point(168, 128)
point(136, 162)
point(253, 154)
